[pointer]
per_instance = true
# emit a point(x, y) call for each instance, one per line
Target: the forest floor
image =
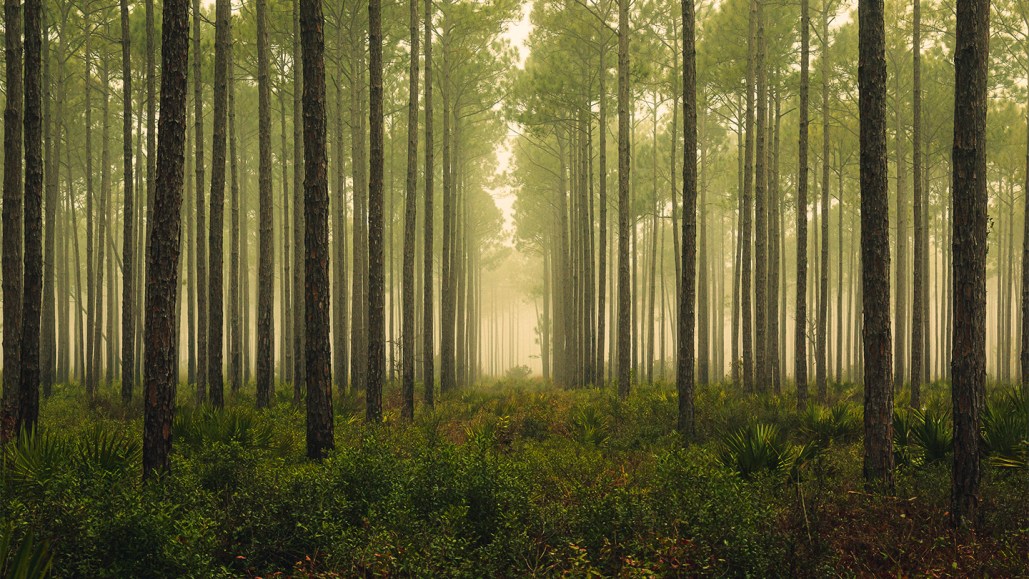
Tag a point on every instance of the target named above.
point(508, 479)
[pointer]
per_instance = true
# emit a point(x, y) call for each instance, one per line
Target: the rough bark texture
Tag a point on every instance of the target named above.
point(316, 234)
point(12, 217)
point(761, 210)
point(968, 363)
point(410, 218)
point(800, 316)
point(821, 346)
point(163, 250)
point(917, 322)
point(875, 245)
point(684, 376)
point(624, 298)
point(201, 240)
point(235, 339)
point(28, 399)
point(376, 266)
point(266, 265)
point(428, 329)
point(128, 328)
point(299, 259)
point(215, 347)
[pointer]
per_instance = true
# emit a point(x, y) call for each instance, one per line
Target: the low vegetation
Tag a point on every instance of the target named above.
point(511, 479)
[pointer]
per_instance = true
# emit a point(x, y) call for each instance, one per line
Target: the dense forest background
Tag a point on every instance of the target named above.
point(583, 258)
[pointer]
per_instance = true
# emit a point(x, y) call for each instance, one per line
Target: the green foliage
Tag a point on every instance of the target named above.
point(758, 448)
point(28, 560)
point(921, 436)
point(1005, 424)
point(822, 426)
point(515, 480)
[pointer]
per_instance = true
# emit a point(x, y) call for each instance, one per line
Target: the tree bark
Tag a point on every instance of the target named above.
point(971, 57)
point(128, 328)
point(917, 323)
point(428, 347)
point(687, 315)
point(410, 217)
point(316, 234)
point(12, 218)
point(163, 250)
point(266, 266)
point(299, 259)
point(875, 246)
point(215, 346)
point(821, 358)
point(624, 297)
point(28, 400)
point(376, 266)
point(201, 210)
point(800, 329)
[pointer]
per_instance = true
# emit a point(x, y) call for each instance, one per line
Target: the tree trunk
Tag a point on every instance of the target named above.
point(12, 218)
point(339, 235)
point(201, 210)
point(215, 346)
point(800, 329)
point(971, 57)
point(875, 246)
point(48, 345)
point(28, 399)
point(761, 209)
point(821, 359)
point(684, 375)
point(376, 266)
point(624, 321)
point(163, 250)
point(410, 217)
point(128, 328)
point(266, 265)
point(299, 237)
point(917, 323)
point(316, 234)
point(428, 348)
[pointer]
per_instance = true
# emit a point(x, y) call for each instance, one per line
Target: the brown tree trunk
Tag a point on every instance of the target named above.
point(761, 210)
point(800, 329)
point(376, 266)
point(163, 250)
point(28, 399)
point(12, 217)
point(266, 265)
point(624, 297)
point(316, 234)
point(215, 347)
point(687, 315)
point(971, 57)
point(128, 328)
point(917, 323)
point(201, 209)
point(821, 358)
point(875, 246)
point(299, 259)
point(410, 217)
point(428, 347)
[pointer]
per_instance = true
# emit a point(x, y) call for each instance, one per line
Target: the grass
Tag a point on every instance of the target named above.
point(511, 479)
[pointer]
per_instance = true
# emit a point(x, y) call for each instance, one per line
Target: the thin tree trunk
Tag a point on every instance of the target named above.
point(28, 399)
point(821, 359)
point(376, 267)
point(215, 346)
point(687, 315)
point(410, 217)
point(800, 329)
point(428, 348)
point(299, 259)
point(201, 209)
point(12, 218)
point(266, 265)
point(624, 297)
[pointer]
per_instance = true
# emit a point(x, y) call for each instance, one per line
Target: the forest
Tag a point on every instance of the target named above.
point(493, 288)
